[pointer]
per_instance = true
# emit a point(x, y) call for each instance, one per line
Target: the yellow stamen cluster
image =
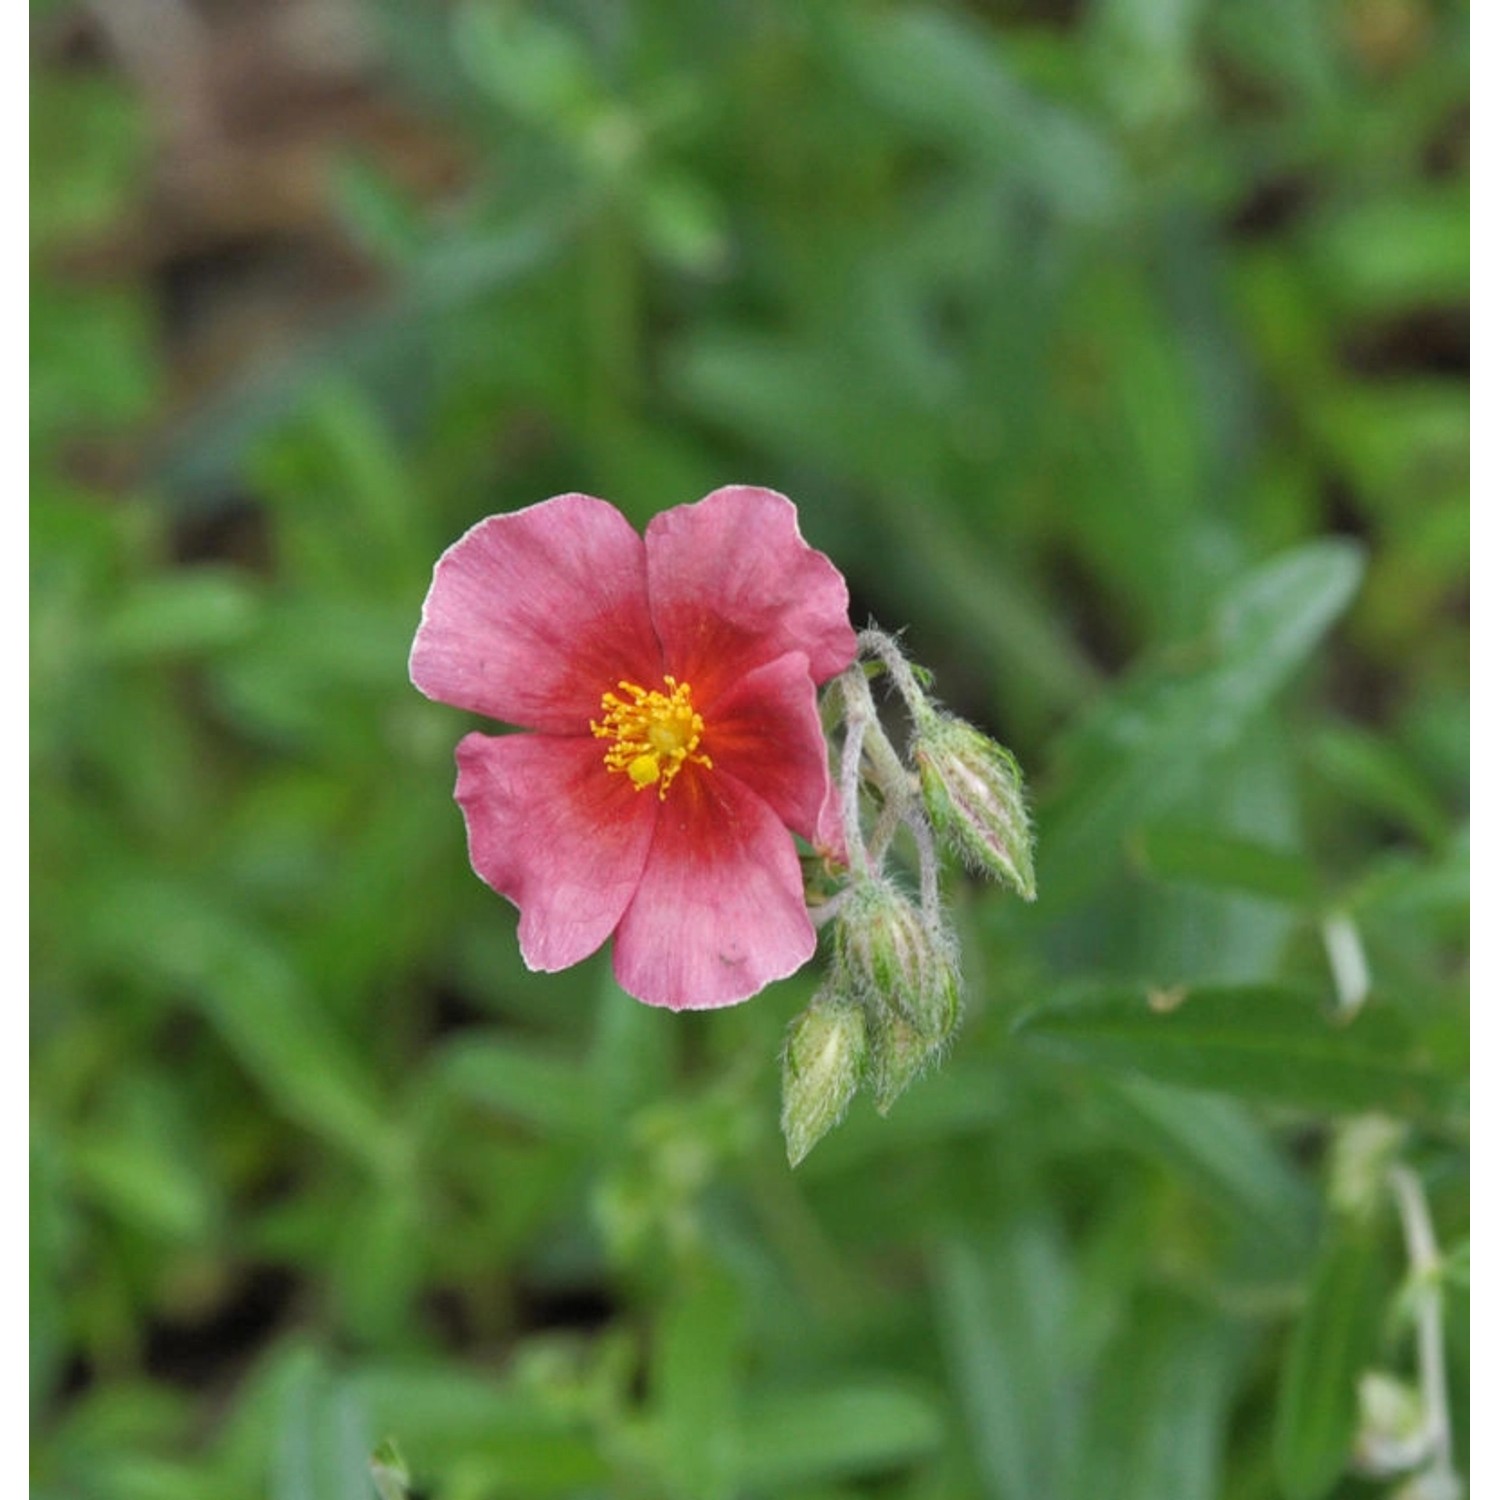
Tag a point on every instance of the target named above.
point(652, 733)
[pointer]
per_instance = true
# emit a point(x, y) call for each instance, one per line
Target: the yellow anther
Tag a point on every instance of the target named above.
point(651, 733)
point(643, 770)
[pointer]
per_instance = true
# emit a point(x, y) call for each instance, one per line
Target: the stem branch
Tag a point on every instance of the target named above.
point(1427, 1265)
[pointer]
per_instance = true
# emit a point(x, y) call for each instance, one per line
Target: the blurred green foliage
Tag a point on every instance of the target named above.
point(1109, 347)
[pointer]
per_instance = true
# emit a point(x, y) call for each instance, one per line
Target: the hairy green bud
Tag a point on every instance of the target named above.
point(389, 1472)
point(890, 952)
point(975, 798)
point(899, 1054)
point(1393, 1435)
point(822, 1065)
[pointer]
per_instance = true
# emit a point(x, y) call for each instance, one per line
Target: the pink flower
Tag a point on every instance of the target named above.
point(669, 687)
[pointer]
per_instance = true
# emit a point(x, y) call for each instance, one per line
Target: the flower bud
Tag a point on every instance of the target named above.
point(891, 953)
point(821, 1067)
point(1393, 1434)
point(899, 1053)
point(975, 798)
point(389, 1472)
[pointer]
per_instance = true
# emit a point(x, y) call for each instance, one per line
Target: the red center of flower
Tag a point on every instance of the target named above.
point(651, 733)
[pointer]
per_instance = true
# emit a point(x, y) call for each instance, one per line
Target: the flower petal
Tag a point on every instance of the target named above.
point(766, 733)
point(554, 833)
point(733, 586)
point(719, 912)
point(534, 615)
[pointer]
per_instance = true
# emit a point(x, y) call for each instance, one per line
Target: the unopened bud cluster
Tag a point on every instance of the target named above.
point(894, 993)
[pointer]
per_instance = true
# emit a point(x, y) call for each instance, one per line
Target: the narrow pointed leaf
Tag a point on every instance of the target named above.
point(1270, 1042)
point(1333, 1342)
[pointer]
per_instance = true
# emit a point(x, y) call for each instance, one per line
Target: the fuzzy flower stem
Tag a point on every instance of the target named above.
point(888, 769)
point(886, 824)
point(868, 748)
point(825, 911)
point(859, 714)
point(921, 832)
point(859, 703)
point(877, 643)
point(1426, 1265)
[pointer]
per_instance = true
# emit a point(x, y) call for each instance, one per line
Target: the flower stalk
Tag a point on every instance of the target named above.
point(1440, 1480)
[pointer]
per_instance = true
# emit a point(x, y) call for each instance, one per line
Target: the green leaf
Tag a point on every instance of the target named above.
point(377, 1253)
point(1143, 52)
point(246, 989)
point(683, 222)
point(521, 1081)
point(178, 614)
point(1317, 1402)
point(359, 476)
point(321, 1448)
point(448, 1416)
point(143, 1185)
point(528, 62)
point(694, 1386)
point(99, 373)
point(1270, 1042)
point(376, 348)
point(51, 1244)
point(1373, 772)
point(1160, 1399)
point(310, 654)
point(631, 1058)
point(1270, 622)
point(971, 1102)
point(383, 219)
point(1207, 857)
point(1406, 249)
point(89, 146)
point(1405, 889)
point(1220, 1149)
point(795, 1437)
point(941, 75)
point(1000, 1305)
point(1140, 752)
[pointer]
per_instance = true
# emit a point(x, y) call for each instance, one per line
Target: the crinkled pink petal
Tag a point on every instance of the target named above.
point(557, 835)
point(534, 615)
point(765, 732)
point(719, 913)
point(734, 586)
